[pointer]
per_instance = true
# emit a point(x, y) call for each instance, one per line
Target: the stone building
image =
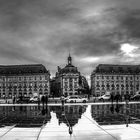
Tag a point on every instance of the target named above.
point(25, 80)
point(69, 81)
point(116, 79)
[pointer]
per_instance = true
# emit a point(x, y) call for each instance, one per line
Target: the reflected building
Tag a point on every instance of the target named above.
point(69, 114)
point(69, 81)
point(115, 114)
point(120, 79)
point(23, 116)
point(25, 80)
point(103, 115)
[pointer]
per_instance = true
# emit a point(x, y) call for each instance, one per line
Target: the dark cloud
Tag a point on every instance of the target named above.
point(43, 31)
point(131, 23)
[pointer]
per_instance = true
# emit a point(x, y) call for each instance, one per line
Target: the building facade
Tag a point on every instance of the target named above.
point(117, 79)
point(68, 81)
point(25, 80)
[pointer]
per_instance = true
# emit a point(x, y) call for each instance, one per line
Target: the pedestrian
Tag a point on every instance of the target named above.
point(46, 99)
point(62, 100)
point(43, 111)
point(38, 102)
point(127, 98)
point(117, 109)
point(6, 99)
point(112, 98)
point(70, 130)
point(14, 99)
point(43, 100)
point(117, 97)
point(112, 108)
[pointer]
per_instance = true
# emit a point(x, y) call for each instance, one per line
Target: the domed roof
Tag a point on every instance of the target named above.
point(69, 68)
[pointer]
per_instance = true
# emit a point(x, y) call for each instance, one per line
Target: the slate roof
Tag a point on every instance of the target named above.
point(124, 69)
point(22, 69)
point(69, 69)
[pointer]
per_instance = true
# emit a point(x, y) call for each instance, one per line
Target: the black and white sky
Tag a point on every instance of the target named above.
point(93, 31)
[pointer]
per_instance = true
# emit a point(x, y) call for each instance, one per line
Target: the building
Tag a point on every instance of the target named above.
point(116, 79)
point(69, 81)
point(25, 80)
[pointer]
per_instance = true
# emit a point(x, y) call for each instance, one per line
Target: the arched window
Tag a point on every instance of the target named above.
point(112, 86)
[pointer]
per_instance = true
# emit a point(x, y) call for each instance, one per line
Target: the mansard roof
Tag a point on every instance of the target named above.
point(22, 69)
point(110, 68)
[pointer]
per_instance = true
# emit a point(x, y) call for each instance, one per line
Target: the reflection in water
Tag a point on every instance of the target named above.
point(116, 114)
point(70, 130)
point(112, 108)
point(22, 116)
point(32, 116)
point(116, 109)
point(69, 114)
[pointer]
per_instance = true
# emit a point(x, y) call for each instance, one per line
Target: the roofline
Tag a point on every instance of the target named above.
point(116, 65)
point(21, 65)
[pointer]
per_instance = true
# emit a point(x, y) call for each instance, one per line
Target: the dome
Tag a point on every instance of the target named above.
point(69, 69)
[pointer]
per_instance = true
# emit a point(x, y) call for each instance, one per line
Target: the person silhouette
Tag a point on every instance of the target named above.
point(46, 99)
point(43, 100)
point(62, 100)
point(117, 109)
point(112, 109)
point(43, 111)
point(112, 98)
point(70, 130)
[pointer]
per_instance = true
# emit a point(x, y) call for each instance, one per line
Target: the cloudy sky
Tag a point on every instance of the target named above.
point(93, 31)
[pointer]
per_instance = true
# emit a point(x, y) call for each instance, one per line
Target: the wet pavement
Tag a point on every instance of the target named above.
point(70, 122)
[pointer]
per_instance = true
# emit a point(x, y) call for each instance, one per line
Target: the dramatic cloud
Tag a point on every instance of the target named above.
point(94, 31)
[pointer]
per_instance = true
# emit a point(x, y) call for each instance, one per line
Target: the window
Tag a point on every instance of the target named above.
point(30, 84)
point(122, 87)
point(46, 77)
point(127, 86)
point(117, 86)
point(35, 84)
point(137, 87)
point(46, 85)
point(19, 78)
point(113, 87)
point(108, 86)
point(65, 89)
point(103, 87)
point(97, 85)
point(97, 82)
point(75, 79)
point(70, 80)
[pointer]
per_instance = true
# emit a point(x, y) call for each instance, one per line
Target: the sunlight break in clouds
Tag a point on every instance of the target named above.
point(90, 59)
point(128, 49)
